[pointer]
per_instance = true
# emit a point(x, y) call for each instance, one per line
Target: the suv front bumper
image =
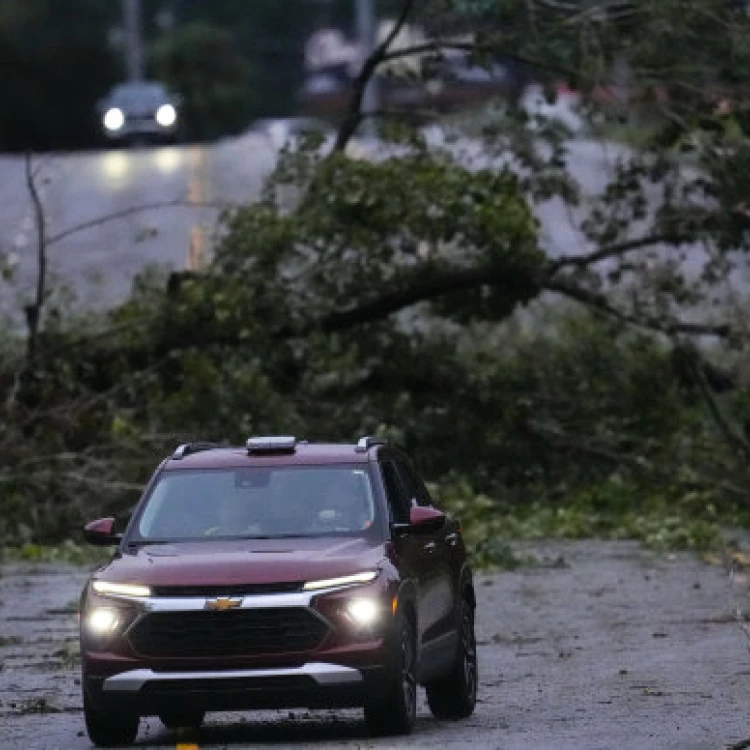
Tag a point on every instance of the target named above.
point(312, 685)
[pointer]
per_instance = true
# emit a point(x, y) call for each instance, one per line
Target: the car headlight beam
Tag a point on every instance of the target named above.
point(166, 115)
point(363, 612)
point(101, 620)
point(329, 583)
point(114, 119)
point(105, 588)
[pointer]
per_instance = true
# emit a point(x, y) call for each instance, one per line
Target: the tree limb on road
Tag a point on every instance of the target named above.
point(426, 287)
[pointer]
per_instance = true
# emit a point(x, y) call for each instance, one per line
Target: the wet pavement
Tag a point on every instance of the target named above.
point(601, 645)
point(99, 235)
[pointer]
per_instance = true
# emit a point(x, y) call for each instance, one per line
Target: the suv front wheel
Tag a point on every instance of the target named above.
point(109, 728)
point(454, 696)
point(396, 713)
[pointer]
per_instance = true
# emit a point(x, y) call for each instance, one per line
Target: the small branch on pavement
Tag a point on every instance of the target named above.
point(133, 210)
point(35, 309)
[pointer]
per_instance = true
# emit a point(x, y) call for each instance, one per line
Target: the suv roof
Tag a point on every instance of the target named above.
point(208, 456)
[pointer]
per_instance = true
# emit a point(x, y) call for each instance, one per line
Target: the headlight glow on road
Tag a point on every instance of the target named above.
point(115, 165)
point(101, 620)
point(168, 159)
point(114, 119)
point(166, 115)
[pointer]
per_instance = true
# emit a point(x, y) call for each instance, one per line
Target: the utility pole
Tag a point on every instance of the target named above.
point(367, 35)
point(131, 21)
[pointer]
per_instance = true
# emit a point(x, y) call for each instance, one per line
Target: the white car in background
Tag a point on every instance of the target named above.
point(141, 111)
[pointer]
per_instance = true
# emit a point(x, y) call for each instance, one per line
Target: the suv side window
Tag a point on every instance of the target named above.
point(398, 498)
point(413, 484)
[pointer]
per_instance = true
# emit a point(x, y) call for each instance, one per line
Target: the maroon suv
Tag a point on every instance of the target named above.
point(282, 574)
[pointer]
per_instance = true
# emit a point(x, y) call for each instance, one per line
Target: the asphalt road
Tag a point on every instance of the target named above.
point(77, 189)
point(100, 261)
point(600, 646)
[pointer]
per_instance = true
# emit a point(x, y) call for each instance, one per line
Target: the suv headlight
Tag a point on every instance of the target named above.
point(101, 621)
point(363, 612)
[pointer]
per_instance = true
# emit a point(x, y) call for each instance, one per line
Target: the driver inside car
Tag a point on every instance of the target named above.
point(234, 518)
point(343, 506)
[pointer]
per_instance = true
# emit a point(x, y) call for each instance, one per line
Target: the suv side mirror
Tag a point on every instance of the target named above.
point(101, 533)
point(422, 520)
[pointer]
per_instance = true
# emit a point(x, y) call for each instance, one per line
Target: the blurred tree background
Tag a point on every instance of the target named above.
point(216, 98)
point(232, 60)
point(600, 388)
point(56, 63)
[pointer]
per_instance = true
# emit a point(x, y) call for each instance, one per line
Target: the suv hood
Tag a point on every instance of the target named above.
point(247, 561)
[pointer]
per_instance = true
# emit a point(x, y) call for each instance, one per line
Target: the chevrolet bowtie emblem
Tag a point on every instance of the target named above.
point(222, 604)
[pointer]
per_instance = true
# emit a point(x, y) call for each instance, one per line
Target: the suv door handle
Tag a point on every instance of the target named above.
point(452, 539)
point(430, 547)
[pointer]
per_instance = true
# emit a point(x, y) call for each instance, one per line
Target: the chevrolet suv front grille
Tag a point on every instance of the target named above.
point(241, 589)
point(233, 633)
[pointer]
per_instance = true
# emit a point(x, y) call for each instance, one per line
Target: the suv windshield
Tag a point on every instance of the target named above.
point(257, 502)
point(139, 94)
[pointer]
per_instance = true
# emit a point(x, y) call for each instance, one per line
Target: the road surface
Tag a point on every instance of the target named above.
point(100, 263)
point(75, 189)
point(601, 645)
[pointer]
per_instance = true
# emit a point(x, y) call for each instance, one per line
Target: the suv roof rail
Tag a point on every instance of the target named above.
point(365, 443)
point(187, 448)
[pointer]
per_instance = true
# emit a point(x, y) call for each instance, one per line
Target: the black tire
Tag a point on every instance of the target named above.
point(109, 728)
point(182, 718)
point(454, 696)
point(396, 713)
